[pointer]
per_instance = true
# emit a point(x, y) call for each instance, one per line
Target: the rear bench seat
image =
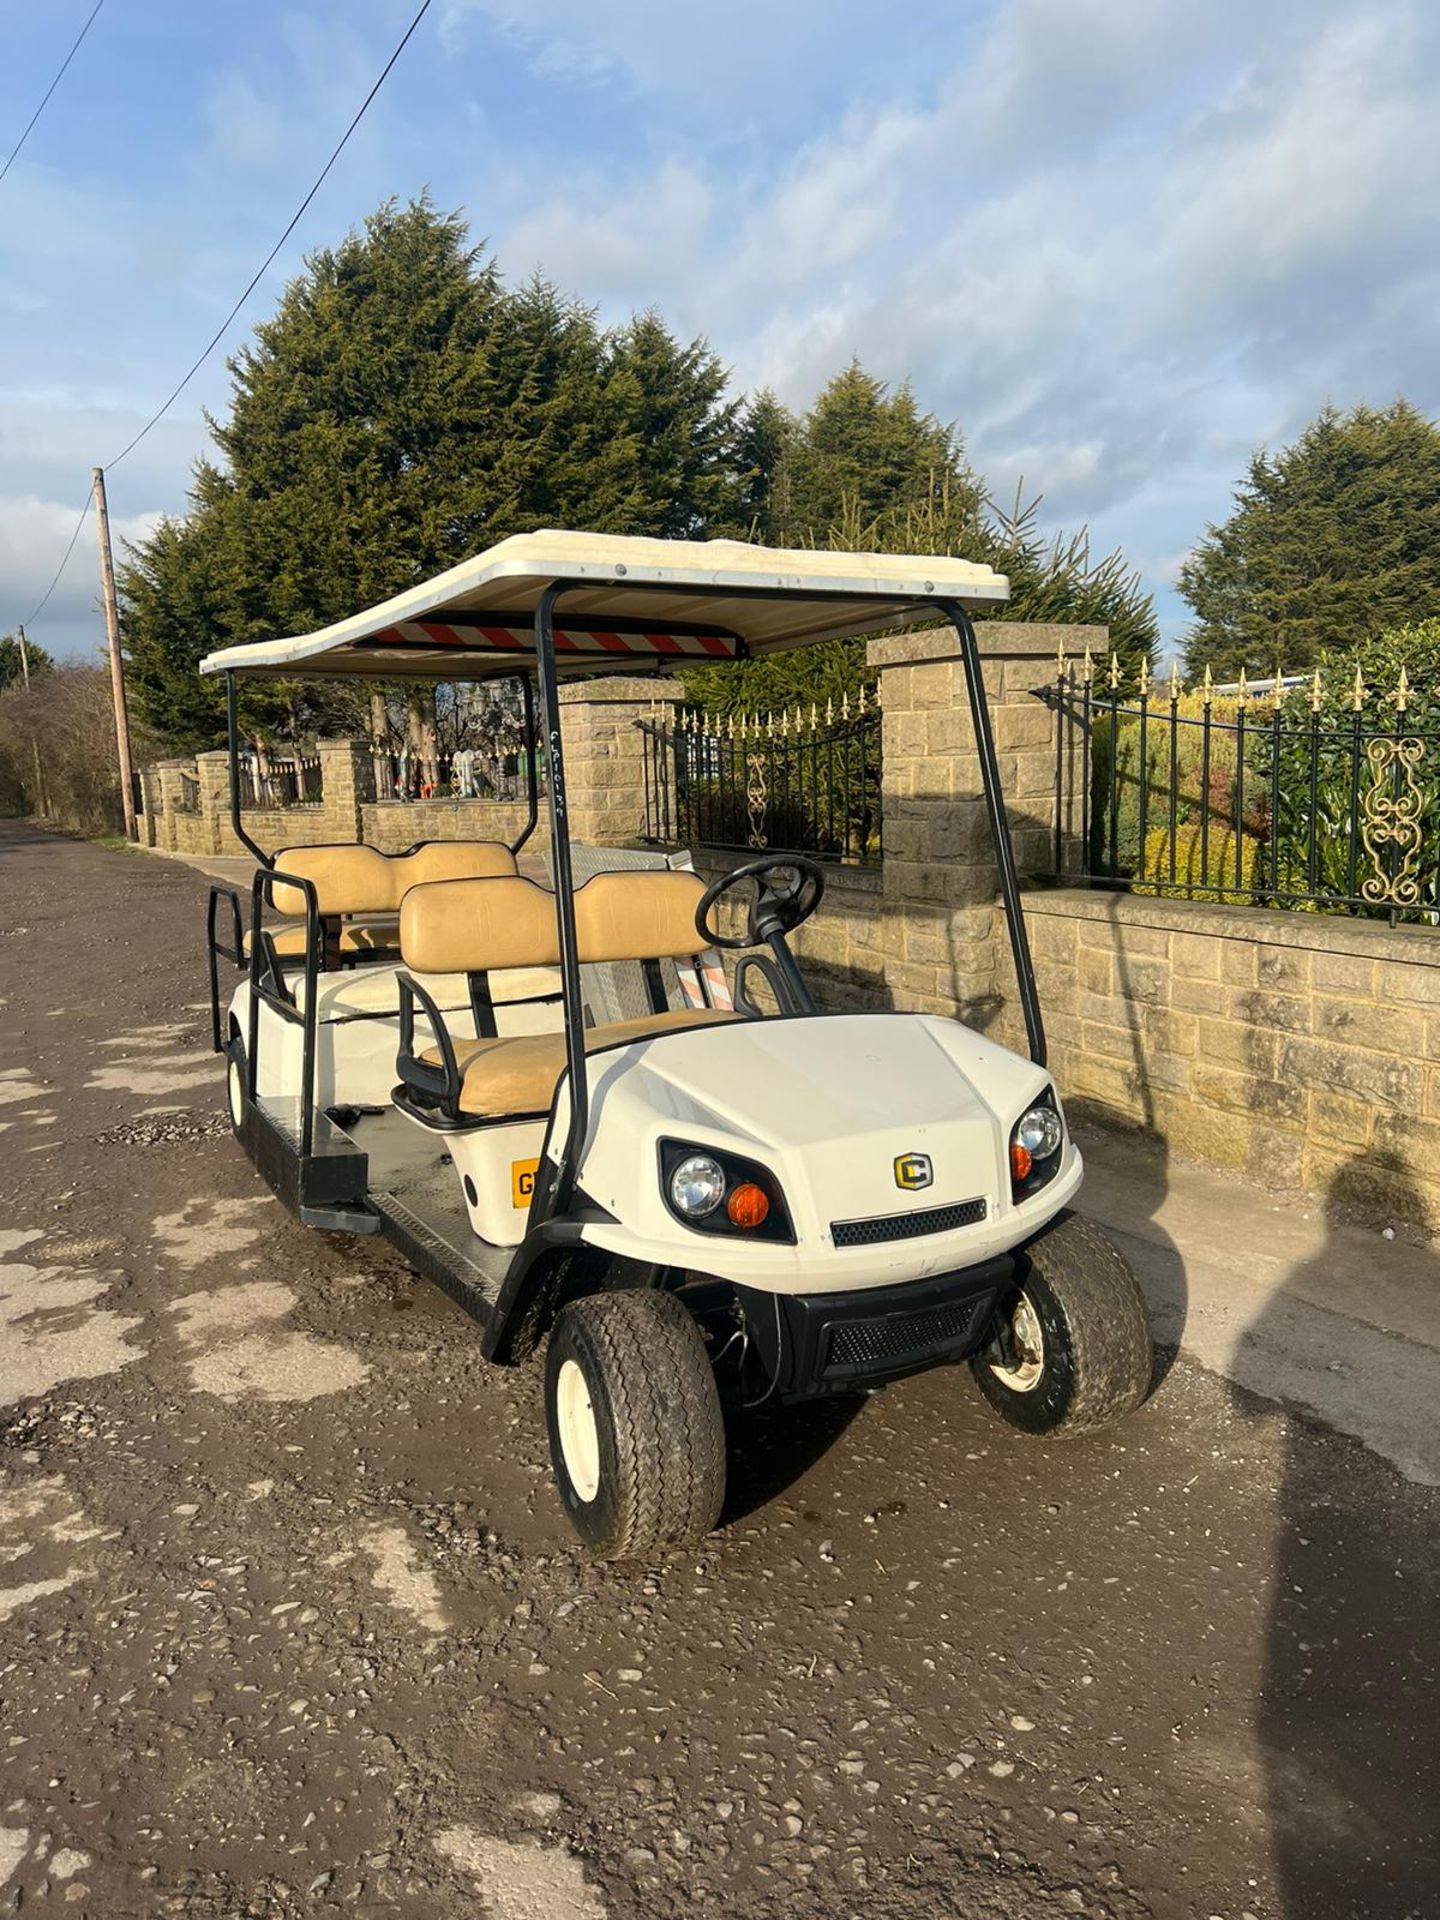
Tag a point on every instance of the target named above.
point(479, 926)
point(359, 889)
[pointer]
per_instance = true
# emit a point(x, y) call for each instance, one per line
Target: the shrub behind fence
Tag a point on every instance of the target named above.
point(1282, 794)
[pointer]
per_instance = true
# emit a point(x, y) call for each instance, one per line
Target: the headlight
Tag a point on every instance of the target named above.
point(1035, 1143)
point(1040, 1132)
point(714, 1192)
point(697, 1186)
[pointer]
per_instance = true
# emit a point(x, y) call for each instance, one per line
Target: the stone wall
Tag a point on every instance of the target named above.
point(393, 825)
point(1300, 1049)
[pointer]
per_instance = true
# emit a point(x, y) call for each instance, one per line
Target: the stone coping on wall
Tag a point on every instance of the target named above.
point(1315, 932)
point(995, 638)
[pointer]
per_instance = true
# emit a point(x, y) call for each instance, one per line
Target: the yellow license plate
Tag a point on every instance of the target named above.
point(522, 1182)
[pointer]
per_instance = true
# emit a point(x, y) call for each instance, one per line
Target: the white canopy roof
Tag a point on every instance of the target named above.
point(653, 604)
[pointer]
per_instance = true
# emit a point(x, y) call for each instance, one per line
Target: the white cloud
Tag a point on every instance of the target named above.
point(34, 534)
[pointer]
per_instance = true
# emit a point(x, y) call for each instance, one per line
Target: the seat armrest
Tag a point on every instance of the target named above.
point(441, 1083)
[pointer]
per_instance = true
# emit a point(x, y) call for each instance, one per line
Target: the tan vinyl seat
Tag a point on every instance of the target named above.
point(363, 887)
point(376, 933)
point(476, 926)
point(519, 1073)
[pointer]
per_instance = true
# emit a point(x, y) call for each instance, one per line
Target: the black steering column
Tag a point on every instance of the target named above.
point(780, 893)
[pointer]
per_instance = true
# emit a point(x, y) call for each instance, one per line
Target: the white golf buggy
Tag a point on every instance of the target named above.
point(731, 1198)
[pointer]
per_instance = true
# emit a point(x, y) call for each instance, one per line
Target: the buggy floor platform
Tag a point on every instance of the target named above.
point(376, 1172)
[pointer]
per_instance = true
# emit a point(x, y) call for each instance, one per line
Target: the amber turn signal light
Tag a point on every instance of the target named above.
point(748, 1205)
point(1020, 1161)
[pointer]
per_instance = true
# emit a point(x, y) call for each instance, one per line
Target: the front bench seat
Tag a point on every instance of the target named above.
point(518, 1073)
point(477, 927)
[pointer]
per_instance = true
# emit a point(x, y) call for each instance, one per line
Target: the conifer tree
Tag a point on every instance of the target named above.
point(1332, 540)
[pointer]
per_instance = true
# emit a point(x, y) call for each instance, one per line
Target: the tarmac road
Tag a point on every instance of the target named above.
point(290, 1623)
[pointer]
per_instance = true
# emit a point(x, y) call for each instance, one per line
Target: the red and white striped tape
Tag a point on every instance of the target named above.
point(435, 633)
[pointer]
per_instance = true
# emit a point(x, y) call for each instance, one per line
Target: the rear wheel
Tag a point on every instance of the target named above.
point(1073, 1353)
point(235, 1078)
point(637, 1439)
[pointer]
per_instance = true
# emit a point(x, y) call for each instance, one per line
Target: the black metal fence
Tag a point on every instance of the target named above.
point(1286, 793)
point(280, 781)
point(791, 782)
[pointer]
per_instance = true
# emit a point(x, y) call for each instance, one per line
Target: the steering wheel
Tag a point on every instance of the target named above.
point(787, 888)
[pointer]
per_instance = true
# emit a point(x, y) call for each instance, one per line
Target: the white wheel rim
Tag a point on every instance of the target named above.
point(579, 1434)
point(1028, 1344)
point(235, 1090)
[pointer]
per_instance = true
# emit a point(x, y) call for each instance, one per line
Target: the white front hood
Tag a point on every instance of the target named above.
point(829, 1105)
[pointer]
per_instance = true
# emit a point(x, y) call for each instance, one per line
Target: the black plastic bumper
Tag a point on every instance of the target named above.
point(820, 1343)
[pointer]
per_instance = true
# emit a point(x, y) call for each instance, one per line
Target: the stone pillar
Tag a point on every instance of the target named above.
point(212, 770)
point(150, 803)
point(347, 782)
point(170, 801)
point(604, 754)
point(942, 933)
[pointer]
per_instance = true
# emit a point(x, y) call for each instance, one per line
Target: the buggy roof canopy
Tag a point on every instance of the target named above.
point(629, 604)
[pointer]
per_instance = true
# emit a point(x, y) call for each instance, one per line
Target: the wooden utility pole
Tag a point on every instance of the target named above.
point(117, 672)
point(40, 798)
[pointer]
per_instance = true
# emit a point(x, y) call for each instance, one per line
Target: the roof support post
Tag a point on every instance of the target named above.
point(232, 740)
point(555, 1199)
point(999, 830)
point(532, 772)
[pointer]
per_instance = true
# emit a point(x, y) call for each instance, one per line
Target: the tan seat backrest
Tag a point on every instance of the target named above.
point(354, 879)
point(453, 860)
point(474, 926)
point(638, 916)
point(345, 879)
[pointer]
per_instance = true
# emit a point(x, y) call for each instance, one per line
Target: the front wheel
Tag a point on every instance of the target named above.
point(1072, 1353)
point(637, 1439)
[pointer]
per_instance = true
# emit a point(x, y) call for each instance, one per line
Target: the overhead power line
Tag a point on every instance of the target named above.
point(45, 101)
point(260, 271)
point(40, 604)
point(254, 281)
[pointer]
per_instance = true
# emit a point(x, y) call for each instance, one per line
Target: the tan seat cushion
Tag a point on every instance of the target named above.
point(518, 1073)
point(376, 933)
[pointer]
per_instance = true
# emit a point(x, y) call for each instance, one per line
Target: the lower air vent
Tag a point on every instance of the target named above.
point(907, 1226)
point(861, 1345)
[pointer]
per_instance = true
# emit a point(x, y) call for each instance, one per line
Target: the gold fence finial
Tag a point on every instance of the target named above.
point(1278, 693)
point(1401, 695)
point(845, 705)
point(1144, 676)
point(861, 708)
point(829, 711)
point(1359, 692)
point(1207, 686)
point(1175, 687)
point(1060, 663)
point(1317, 693)
point(814, 716)
point(1243, 689)
point(1087, 671)
point(1114, 675)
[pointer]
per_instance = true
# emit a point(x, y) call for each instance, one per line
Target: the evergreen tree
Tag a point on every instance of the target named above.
point(400, 411)
point(1331, 541)
point(12, 666)
point(865, 472)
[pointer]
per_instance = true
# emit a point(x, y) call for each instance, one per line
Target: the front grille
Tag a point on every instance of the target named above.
point(907, 1226)
point(901, 1336)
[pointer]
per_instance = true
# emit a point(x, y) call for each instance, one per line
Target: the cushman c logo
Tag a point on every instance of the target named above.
point(913, 1170)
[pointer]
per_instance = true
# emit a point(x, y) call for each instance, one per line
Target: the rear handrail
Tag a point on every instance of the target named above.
point(268, 985)
point(216, 950)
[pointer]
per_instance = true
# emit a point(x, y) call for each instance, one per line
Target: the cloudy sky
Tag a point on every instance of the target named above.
point(1121, 242)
